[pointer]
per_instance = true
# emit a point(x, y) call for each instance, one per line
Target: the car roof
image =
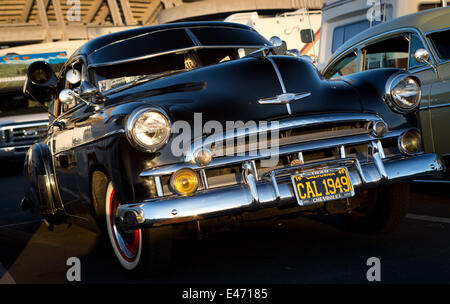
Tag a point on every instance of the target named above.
point(425, 21)
point(105, 40)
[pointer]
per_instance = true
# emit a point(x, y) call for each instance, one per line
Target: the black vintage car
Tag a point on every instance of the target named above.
point(266, 136)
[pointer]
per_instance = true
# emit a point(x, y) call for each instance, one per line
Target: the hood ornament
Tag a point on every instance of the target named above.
point(285, 98)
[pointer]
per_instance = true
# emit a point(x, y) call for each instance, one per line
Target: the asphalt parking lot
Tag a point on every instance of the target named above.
point(295, 250)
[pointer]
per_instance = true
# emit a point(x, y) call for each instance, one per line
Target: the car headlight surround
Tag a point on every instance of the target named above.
point(403, 93)
point(148, 129)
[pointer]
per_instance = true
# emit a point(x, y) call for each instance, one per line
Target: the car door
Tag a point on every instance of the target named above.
point(440, 92)
point(397, 51)
point(62, 129)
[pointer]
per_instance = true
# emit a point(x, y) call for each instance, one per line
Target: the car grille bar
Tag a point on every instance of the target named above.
point(24, 133)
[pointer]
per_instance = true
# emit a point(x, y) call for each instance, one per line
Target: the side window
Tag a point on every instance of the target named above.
point(416, 44)
point(345, 66)
point(389, 53)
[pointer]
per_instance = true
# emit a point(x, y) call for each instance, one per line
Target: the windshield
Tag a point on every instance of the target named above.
point(115, 76)
point(158, 54)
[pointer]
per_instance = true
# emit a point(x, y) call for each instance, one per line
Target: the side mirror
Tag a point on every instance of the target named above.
point(294, 53)
point(73, 76)
point(422, 56)
point(276, 41)
point(41, 82)
point(279, 46)
point(307, 36)
point(67, 97)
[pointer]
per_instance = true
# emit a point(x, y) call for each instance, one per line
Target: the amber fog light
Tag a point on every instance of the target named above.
point(203, 157)
point(410, 142)
point(184, 182)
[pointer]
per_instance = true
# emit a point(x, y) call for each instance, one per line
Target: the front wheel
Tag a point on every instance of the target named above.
point(382, 210)
point(139, 250)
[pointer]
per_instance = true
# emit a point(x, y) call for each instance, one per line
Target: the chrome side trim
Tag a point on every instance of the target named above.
point(109, 134)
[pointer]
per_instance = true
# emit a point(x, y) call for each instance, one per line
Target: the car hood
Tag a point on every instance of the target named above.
point(27, 118)
point(230, 91)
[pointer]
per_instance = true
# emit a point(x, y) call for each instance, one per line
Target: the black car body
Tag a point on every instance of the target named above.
point(92, 163)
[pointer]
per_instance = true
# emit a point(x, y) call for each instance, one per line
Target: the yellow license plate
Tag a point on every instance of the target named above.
point(322, 185)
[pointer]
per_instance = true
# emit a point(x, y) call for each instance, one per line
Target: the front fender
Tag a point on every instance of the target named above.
point(370, 86)
point(40, 185)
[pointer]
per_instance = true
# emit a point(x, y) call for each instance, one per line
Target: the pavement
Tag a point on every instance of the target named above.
point(297, 250)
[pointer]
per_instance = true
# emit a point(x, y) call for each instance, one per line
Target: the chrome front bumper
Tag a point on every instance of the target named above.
point(273, 189)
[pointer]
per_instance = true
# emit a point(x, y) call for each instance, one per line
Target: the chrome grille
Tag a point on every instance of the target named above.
point(304, 141)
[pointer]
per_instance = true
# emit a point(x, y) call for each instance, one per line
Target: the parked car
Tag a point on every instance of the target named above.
point(109, 160)
point(418, 44)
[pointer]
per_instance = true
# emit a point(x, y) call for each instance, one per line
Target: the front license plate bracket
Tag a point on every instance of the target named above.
point(322, 185)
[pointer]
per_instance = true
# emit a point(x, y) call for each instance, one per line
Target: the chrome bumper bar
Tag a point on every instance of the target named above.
point(272, 190)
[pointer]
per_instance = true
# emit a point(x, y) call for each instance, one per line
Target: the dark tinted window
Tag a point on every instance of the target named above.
point(389, 53)
point(343, 33)
point(227, 36)
point(416, 43)
point(441, 43)
point(425, 6)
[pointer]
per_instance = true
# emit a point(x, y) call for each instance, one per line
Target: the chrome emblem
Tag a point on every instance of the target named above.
point(285, 98)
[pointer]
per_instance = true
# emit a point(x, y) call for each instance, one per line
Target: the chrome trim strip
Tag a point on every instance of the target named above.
point(159, 189)
point(192, 48)
point(378, 160)
point(280, 79)
point(249, 176)
point(435, 106)
point(282, 125)
point(109, 134)
point(291, 149)
point(204, 178)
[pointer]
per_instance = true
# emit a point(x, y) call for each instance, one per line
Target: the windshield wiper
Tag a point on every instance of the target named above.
point(145, 78)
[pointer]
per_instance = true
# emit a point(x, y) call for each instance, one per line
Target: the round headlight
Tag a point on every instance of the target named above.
point(184, 181)
point(148, 129)
point(410, 142)
point(404, 93)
